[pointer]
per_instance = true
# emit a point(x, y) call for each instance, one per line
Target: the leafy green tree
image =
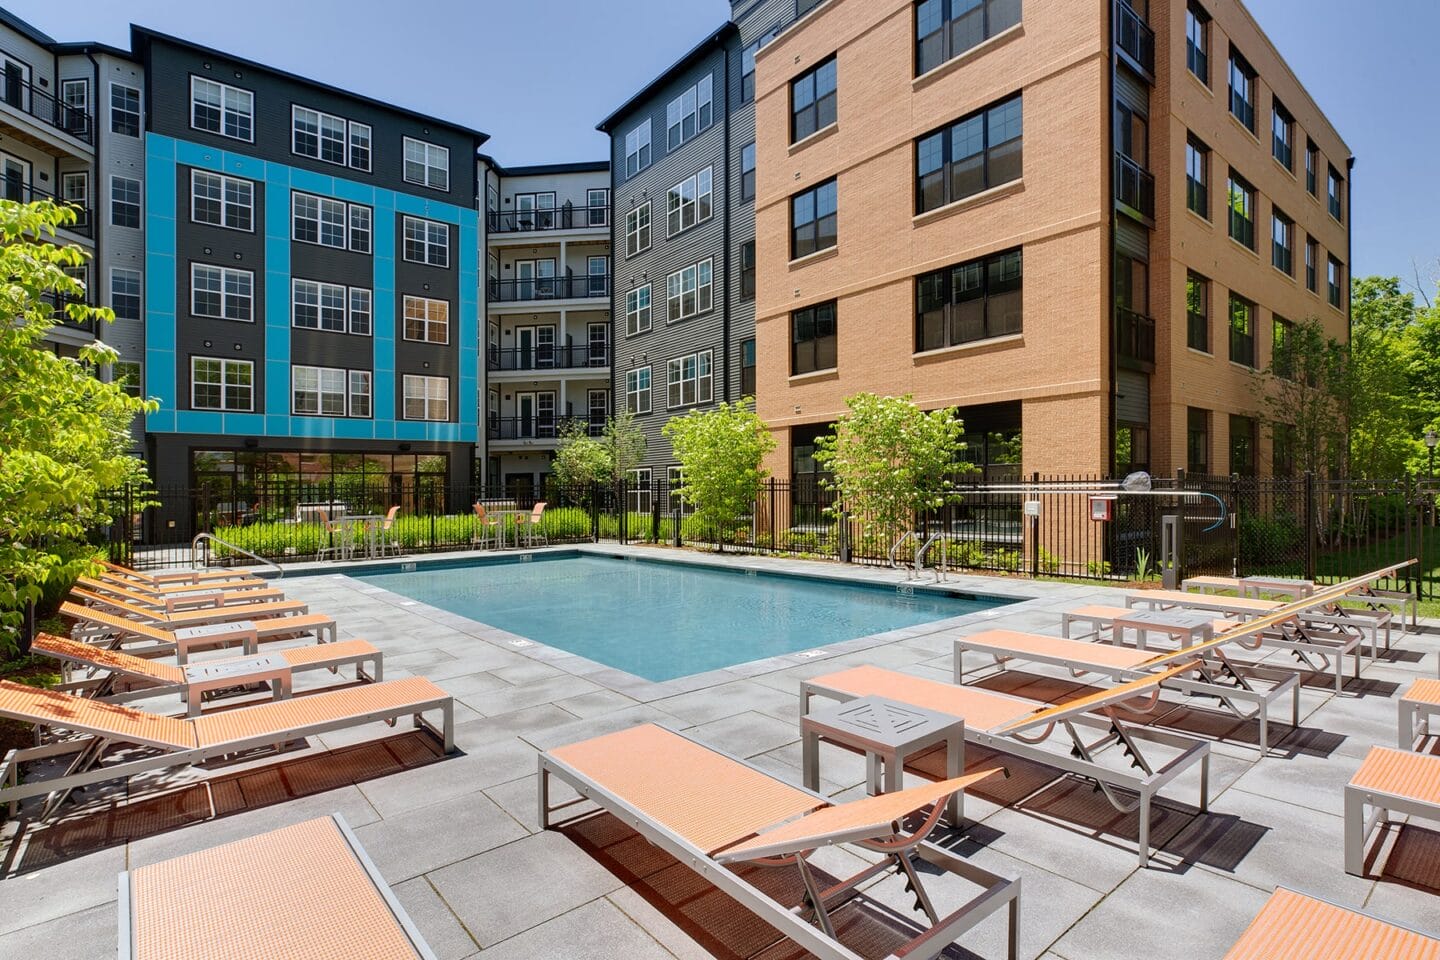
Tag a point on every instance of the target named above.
point(1303, 395)
point(63, 433)
point(889, 461)
point(626, 444)
point(580, 459)
point(721, 452)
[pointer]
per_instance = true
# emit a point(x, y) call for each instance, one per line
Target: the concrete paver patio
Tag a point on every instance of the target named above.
point(458, 838)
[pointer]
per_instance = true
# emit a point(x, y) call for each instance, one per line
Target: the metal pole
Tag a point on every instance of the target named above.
point(1311, 534)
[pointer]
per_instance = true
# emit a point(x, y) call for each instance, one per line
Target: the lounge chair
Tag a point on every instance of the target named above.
point(709, 810)
point(1388, 780)
point(339, 537)
point(151, 678)
point(1417, 706)
point(174, 576)
point(170, 603)
point(1017, 726)
point(532, 526)
point(488, 530)
point(386, 541)
point(1215, 675)
point(174, 589)
point(1293, 926)
point(262, 897)
point(175, 742)
point(98, 626)
point(192, 618)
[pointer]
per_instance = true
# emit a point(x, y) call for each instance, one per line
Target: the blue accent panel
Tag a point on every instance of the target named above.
point(195, 155)
point(277, 295)
point(160, 360)
point(384, 387)
point(354, 429)
point(311, 182)
point(353, 192)
point(199, 421)
point(312, 427)
point(161, 421)
point(469, 393)
point(276, 426)
point(247, 423)
point(241, 165)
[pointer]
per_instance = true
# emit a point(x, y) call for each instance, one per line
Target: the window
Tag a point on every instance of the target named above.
point(427, 164)
point(981, 151)
point(1334, 188)
point(1312, 259)
point(1333, 279)
point(637, 230)
point(803, 7)
point(747, 64)
point(1197, 312)
point(360, 148)
point(641, 496)
point(318, 306)
point(747, 368)
point(127, 373)
point(1282, 243)
point(1282, 136)
point(691, 201)
point(637, 149)
point(637, 390)
point(1312, 164)
point(813, 216)
point(75, 103)
point(361, 311)
point(218, 384)
point(690, 113)
point(124, 110)
point(637, 311)
point(329, 138)
point(222, 201)
point(1242, 211)
point(1197, 42)
point(1281, 359)
point(426, 398)
point(319, 391)
point(597, 207)
point(689, 380)
point(1197, 177)
point(75, 189)
point(976, 300)
point(360, 393)
point(221, 108)
point(427, 242)
point(124, 202)
point(689, 291)
point(1242, 90)
point(747, 172)
point(812, 339)
point(427, 320)
point(813, 101)
point(125, 294)
point(1242, 331)
point(944, 29)
point(1242, 446)
point(330, 223)
point(222, 293)
point(1197, 441)
point(747, 270)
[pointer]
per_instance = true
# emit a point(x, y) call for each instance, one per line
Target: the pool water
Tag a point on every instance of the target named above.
point(661, 620)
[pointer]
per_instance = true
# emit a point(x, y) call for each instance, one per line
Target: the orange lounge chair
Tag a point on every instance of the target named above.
point(94, 726)
point(153, 678)
point(171, 589)
point(1417, 706)
point(1293, 926)
point(257, 896)
point(709, 810)
point(192, 618)
point(1017, 726)
point(174, 576)
point(96, 625)
point(203, 597)
point(1388, 780)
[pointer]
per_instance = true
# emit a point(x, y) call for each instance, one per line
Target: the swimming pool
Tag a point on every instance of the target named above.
point(662, 620)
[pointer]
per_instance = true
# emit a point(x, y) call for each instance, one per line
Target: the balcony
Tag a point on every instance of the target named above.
point(540, 428)
point(548, 357)
point(1134, 37)
point(550, 288)
point(566, 217)
point(1134, 186)
point(22, 192)
point(1135, 339)
point(29, 99)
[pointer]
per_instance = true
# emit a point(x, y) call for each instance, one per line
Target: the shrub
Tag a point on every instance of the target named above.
point(1049, 563)
point(1098, 568)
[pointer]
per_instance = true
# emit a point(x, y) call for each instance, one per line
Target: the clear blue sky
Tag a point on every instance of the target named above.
point(538, 74)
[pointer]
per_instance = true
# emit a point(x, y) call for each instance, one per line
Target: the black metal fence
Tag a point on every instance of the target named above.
point(1041, 527)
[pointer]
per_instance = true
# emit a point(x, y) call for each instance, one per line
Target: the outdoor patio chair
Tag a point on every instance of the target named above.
point(487, 528)
point(192, 618)
point(176, 589)
point(532, 526)
point(258, 897)
point(1017, 726)
point(215, 596)
point(339, 537)
point(1388, 780)
point(150, 678)
point(711, 812)
point(1417, 706)
point(1294, 926)
point(93, 625)
point(386, 539)
point(175, 576)
point(92, 727)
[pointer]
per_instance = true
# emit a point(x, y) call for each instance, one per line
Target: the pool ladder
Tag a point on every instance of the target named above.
point(918, 561)
point(208, 538)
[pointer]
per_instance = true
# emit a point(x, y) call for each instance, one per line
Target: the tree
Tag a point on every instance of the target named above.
point(721, 452)
point(63, 433)
point(580, 459)
point(626, 444)
point(1303, 393)
point(889, 461)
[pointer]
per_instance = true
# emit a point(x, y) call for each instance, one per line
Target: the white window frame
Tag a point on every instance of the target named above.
point(702, 383)
point(82, 176)
point(634, 393)
point(137, 389)
point(354, 231)
point(425, 392)
point(638, 149)
point(225, 295)
point(694, 195)
point(640, 491)
point(427, 240)
point(347, 212)
point(321, 290)
point(634, 229)
point(225, 364)
point(353, 129)
point(429, 324)
point(225, 108)
point(597, 215)
point(354, 380)
point(138, 111)
point(639, 318)
point(695, 103)
point(139, 292)
point(139, 203)
point(430, 153)
point(352, 311)
point(225, 205)
point(698, 280)
point(321, 374)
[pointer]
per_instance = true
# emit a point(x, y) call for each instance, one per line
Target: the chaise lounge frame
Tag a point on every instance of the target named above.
point(1388, 779)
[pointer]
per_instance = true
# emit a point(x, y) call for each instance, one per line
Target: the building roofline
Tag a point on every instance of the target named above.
point(142, 36)
point(715, 39)
point(28, 29)
point(90, 46)
point(543, 169)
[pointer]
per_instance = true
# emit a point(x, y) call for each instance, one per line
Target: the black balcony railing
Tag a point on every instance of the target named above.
point(548, 357)
point(566, 217)
point(540, 427)
point(1134, 186)
point(28, 98)
point(21, 192)
point(550, 288)
point(1134, 37)
point(1135, 337)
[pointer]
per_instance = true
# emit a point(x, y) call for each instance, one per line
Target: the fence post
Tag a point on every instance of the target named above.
point(1235, 558)
point(1311, 523)
point(843, 535)
point(1034, 534)
point(595, 490)
point(773, 545)
point(655, 509)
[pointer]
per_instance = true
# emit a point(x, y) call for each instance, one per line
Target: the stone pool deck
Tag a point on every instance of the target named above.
point(458, 838)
